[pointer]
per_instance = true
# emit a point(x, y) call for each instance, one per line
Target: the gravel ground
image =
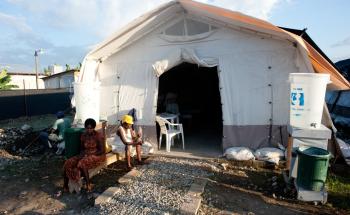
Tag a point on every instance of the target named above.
point(160, 189)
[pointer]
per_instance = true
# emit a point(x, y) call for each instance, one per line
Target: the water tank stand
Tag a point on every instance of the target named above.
point(306, 137)
point(311, 196)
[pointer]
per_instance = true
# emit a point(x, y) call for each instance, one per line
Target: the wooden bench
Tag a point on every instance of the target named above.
point(110, 157)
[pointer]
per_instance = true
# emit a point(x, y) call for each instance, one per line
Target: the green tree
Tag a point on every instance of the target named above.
point(67, 67)
point(78, 67)
point(5, 79)
point(47, 72)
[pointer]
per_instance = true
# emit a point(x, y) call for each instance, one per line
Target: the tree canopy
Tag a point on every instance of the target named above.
point(5, 80)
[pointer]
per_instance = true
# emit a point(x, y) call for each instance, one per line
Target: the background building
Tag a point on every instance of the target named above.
point(26, 80)
point(61, 80)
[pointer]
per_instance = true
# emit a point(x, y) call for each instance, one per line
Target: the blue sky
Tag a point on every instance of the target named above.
point(68, 29)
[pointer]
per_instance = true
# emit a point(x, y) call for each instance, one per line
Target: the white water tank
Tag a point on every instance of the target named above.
point(87, 100)
point(307, 97)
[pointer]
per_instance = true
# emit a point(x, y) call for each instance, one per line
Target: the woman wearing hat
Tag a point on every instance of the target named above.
point(130, 138)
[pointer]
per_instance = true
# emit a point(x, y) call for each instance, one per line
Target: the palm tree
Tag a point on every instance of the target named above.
point(67, 67)
point(5, 79)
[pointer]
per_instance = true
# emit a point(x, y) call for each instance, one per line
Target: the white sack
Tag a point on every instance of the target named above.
point(239, 153)
point(272, 155)
point(147, 148)
point(118, 147)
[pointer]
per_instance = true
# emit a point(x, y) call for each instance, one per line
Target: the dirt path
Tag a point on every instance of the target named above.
point(249, 191)
point(31, 186)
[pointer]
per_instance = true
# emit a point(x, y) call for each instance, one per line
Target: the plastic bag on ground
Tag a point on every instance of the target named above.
point(147, 148)
point(118, 147)
point(239, 153)
point(272, 155)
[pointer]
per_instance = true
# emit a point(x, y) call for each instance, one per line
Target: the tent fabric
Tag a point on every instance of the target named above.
point(320, 64)
point(254, 136)
point(178, 56)
point(253, 58)
point(236, 19)
point(90, 69)
point(239, 19)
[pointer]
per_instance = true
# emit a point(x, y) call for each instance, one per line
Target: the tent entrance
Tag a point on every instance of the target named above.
point(193, 93)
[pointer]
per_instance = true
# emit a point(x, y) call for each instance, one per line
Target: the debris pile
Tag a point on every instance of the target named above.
point(19, 141)
point(9, 136)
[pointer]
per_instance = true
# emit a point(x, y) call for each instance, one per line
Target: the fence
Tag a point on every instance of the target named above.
point(17, 103)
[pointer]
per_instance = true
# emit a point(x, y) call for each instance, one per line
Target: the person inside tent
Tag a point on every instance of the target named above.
point(130, 139)
point(171, 105)
point(92, 154)
point(56, 132)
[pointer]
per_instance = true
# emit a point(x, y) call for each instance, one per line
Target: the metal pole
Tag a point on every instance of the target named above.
point(25, 98)
point(36, 68)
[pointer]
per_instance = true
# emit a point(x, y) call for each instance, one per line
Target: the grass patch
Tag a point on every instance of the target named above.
point(338, 191)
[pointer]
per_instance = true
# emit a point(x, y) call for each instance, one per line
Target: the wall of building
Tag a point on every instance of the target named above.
point(61, 81)
point(29, 81)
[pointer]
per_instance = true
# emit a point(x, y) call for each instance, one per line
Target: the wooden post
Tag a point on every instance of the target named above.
point(25, 98)
point(289, 151)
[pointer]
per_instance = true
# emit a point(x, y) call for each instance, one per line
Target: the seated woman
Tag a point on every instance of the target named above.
point(130, 138)
point(92, 154)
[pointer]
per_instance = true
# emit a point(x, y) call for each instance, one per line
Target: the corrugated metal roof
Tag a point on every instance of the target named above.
point(61, 73)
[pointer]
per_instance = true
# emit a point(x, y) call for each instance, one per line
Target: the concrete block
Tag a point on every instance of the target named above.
point(227, 213)
point(311, 196)
point(193, 197)
point(197, 188)
point(126, 179)
point(320, 133)
point(312, 142)
point(191, 205)
point(107, 195)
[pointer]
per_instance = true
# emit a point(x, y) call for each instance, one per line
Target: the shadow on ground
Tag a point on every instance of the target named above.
point(33, 186)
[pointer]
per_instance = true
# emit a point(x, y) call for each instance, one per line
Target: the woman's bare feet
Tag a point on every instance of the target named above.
point(129, 168)
point(65, 189)
point(89, 187)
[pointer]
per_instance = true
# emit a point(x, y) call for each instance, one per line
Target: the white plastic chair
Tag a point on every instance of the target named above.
point(170, 132)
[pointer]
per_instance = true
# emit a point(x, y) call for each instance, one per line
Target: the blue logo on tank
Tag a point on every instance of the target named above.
point(297, 99)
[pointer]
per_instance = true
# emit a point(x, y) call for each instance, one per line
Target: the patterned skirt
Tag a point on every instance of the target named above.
point(73, 165)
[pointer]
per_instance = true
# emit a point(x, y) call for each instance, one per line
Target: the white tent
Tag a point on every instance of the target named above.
point(253, 60)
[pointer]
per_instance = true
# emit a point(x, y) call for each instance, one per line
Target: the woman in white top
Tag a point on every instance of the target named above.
point(130, 138)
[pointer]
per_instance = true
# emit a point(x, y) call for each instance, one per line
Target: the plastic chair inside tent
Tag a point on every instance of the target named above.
point(170, 132)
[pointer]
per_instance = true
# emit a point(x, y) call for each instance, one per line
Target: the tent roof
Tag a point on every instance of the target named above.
point(127, 35)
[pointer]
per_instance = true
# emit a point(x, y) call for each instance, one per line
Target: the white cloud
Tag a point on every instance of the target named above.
point(19, 23)
point(259, 9)
point(105, 17)
point(93, 19)
point(345, 42)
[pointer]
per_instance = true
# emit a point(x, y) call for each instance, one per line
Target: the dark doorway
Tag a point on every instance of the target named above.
point(195, 91)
